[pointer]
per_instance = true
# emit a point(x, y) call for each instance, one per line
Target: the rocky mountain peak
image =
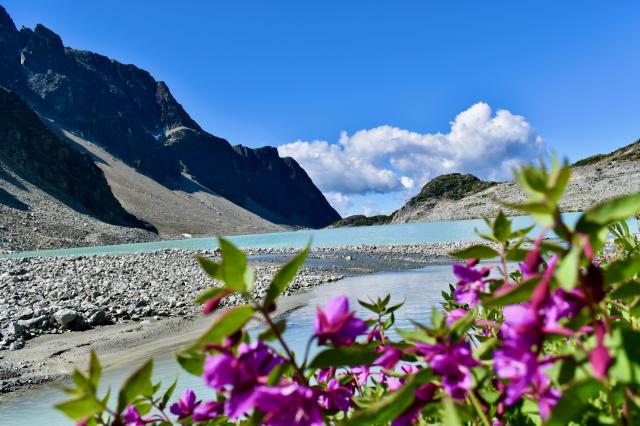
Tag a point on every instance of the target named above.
point(43, 50)
point(6, 23)
point(135, 118)
point(453, 186)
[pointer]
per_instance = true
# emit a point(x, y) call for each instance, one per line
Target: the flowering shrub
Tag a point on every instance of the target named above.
point(555, 341)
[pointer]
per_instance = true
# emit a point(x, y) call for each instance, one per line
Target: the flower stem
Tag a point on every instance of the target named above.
point(612, 404)
point(479, 410)
point(284, 345)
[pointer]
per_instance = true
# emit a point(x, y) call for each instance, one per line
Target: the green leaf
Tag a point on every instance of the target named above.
point(414, 335)
point(369, 306)
point(516, 254)
point(393, 308)
point(516, 294)
point(342, 357)
point(451, 416)
point(95, 371)
point(138, 384)
point(478, 251)
point(390, 406)
point(522, 232)
point(232, 320)
point(613, 210)
point(210, 293)
point(462, 325)
point(567, 271)
point(211, 267)
point(574, 402)
point(622, 270)
point(567, 370)
point(484, 350)
point(232, 271)
point(82, 382)
point(502, 227)
point(191, 362)
point(168, 393)
point(626, 290)
point(234, 265)
point(437, 320)
point(284, 276)
point(558, 181)
point(81, 408)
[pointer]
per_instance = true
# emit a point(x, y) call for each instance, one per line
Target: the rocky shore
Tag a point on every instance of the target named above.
point(43, 299)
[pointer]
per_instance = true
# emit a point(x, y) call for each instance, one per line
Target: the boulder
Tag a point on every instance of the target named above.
point(99, 317)
point(26, 314)
point(65, 317)
point(15, 329)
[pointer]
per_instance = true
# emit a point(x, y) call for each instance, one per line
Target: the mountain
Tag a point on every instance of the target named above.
point(33, 152)
point(442, 189)
point(125, 111)
point(456, 196)
point(629, 152)
point(51, 195)
point(361, 220)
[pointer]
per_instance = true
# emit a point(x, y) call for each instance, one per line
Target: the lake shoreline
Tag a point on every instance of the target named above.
point(146, 297)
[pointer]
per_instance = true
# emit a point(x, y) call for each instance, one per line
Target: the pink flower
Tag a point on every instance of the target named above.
point(290, 405)
point(324, 374)
point(185, 405)
point(389, 358)
point(361, 374)
point(336, 324)
point(207, 410)
point(600, 359)
point(240, 375)
point(470, 283)
point(455, 315)
point(336, 397)
point(533, 259)
point(453, 362)
point(132, 418)
point(212, 304)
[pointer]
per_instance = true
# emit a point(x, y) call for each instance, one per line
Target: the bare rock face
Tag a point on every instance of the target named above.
point(37, 155)
point(127, 112)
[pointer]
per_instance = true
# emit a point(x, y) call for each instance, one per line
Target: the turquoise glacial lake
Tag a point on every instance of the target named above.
point(410, 233)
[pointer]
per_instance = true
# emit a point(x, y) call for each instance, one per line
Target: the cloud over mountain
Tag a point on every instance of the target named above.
point(389, 159)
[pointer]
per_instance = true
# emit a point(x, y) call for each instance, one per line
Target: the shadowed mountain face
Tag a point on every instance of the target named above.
point(33, 152)
point(135, 118)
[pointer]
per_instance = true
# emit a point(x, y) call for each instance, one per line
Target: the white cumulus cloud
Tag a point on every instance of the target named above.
point(389, 159)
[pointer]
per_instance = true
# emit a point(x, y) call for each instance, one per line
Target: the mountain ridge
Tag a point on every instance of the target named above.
point(124, 110)
point(456, 196)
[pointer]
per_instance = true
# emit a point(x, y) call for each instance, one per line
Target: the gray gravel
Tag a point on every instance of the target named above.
point(50, 295)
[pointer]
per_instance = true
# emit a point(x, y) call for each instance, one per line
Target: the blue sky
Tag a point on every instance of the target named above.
point(257, 73)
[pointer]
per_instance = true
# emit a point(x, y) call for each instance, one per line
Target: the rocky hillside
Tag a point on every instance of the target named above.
point(133, 117)
point(187, 209)
point(589, 185)
point(34, 153)
point(361, 220)
point(630, 152)
point(456, 196)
